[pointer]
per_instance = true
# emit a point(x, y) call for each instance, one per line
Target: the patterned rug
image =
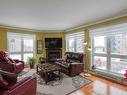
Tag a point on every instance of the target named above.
point(60, 87)
point(57, 87)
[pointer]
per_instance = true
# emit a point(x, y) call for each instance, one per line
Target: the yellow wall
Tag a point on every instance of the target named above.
point(39, 36)
point(86, 29)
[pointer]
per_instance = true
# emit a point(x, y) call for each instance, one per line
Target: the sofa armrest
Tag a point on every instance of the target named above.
point(76, 68)
point(20, 64)
point(26, 86)
point(18, 83)
point(16, 60)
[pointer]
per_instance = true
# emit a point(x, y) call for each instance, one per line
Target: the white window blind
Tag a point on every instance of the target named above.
point(74, 42)
point(21, 46)
point(109, 48)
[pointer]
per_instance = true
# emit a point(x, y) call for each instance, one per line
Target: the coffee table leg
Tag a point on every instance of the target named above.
point(36, 68)
point(46, 78)
point(59, 74)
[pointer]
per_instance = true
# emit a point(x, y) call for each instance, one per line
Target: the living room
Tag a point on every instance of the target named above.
point(60, 48)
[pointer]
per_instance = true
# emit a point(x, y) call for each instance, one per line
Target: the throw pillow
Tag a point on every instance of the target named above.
point(9, 77)
point(3, 82)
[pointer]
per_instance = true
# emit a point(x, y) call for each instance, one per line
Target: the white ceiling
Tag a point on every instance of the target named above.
point(58, 14)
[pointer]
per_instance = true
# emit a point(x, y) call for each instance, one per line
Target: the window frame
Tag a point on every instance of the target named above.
point(22, 38)
point(75, 36)
point(108, 54)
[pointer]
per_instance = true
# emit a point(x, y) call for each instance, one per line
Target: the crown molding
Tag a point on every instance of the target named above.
point(97, 22)
point(30, 30)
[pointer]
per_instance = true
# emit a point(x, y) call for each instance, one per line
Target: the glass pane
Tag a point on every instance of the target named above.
point(71, 45)
point(14, 44)
point(79, 45)
point(119, 44)
point(28, 45)
point(100, 44)
point(15, 56)
point(26, 56)
point(118, 65)
point(100, 62)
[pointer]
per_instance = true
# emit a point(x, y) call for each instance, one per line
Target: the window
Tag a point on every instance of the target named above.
point(74, 42)
point(109, 48)
point(21, 46)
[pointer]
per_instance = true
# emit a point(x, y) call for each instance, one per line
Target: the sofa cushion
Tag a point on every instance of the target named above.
point(9, 77)
point(3, 82)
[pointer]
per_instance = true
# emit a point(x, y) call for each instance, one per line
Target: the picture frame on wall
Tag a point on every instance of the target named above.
point(39, 46)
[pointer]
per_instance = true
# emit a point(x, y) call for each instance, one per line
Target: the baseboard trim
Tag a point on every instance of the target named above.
point(108, 76)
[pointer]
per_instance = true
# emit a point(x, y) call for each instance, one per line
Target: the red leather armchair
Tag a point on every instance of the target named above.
point(25, 86)
point(10, 65)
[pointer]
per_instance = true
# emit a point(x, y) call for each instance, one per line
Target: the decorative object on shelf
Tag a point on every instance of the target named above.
point(31, 62)
point(39, 46)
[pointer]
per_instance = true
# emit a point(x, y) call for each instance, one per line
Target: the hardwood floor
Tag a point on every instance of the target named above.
point(101, 86)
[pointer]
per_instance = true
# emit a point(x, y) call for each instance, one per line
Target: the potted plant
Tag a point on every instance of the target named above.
point(31, 62)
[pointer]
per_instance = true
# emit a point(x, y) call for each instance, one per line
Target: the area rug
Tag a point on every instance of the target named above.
point(61, 87)
point(57, 87)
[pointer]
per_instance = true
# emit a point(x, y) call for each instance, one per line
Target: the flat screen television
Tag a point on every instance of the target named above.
point(53, 42)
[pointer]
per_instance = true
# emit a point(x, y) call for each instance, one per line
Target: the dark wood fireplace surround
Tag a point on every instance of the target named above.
point(53, 54)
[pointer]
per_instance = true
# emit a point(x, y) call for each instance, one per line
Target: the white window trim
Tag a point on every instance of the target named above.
point(22, 51)
point(73, 35)
point(108, 32)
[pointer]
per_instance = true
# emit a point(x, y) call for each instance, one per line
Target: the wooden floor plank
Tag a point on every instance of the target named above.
point(101, 86)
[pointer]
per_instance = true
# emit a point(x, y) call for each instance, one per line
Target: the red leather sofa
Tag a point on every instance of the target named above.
point(10, 65)
point(24, 86)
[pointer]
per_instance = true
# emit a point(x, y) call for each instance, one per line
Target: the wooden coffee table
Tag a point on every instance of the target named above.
point(48, 71)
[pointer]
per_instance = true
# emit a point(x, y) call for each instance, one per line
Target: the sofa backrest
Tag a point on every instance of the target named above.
point(74, 57)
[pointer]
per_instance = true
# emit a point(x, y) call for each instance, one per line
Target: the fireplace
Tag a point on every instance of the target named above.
point(53, 54)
